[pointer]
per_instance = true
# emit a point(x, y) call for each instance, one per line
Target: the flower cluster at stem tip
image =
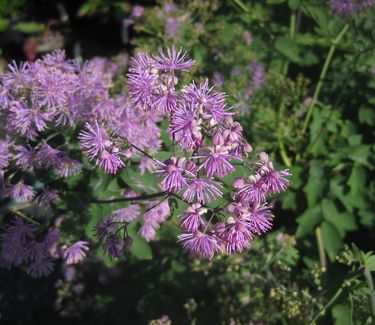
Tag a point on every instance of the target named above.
point(57, 98)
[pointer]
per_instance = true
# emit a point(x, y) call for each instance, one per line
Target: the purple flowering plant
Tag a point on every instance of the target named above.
point(159, 143)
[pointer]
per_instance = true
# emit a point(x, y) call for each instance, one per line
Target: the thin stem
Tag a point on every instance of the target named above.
point(292, 31)
point(130, 199)
point(283, 153)
point(23, 216)
point(337, 101)
point(333, 299)
point(370, 284)
point(322, 254)
point(241, 5)
point(322, 76)
point(144, 152)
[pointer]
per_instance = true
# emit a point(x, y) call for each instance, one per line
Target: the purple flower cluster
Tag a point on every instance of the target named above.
point(247, 216)
point(19, 246)
point(22, 245)
point(349, 7)
point(211, 144)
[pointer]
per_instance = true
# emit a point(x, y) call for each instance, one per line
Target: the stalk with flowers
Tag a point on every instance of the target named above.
point(50, 104)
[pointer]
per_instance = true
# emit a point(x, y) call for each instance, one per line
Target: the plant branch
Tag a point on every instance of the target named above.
point(23, 216)
point(370, 284)
point(322, 76)
point(322, 255)
point(135, 198)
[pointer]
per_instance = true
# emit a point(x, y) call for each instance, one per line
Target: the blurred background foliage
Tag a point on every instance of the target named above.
point(313, 111)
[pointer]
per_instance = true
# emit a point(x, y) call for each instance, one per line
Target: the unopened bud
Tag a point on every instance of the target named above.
point(128, 241)
point(238, 182)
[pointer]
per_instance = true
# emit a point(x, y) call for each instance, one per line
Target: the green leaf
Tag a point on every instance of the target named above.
point(360, 154)
point(146, 183)
point(140, 248)
point(357, 180)
point(308, 221)
point(366, 115)
point(370, 263)
point(316, 183)
point(342, 221)
point(289, 48)
point(341, 314)
point(331, 239)
point(30, 27)
point(294, 4)
point(4, 23)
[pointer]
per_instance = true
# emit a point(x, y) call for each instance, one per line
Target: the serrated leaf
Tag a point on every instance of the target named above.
point(331, 239)
point(342, 221)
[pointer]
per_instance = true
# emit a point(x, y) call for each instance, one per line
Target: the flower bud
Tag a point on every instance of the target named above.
point(263, 157)
point(218, 139)
point(128, 241)
point(238, 182)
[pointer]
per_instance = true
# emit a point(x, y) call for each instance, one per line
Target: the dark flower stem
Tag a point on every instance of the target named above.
point(144, 152)
point(135, 198)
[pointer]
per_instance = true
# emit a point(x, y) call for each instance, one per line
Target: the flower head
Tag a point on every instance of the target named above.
point(76, 252)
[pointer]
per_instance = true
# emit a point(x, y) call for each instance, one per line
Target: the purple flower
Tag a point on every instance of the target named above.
point(199, 244)
point(191, 219)
point(137, 11)
point(48, 196)
point(24, 157)
point(201, 189)
point(92, 140)
point(218, 78)
point(47, 156)
point(26, 119)
point(344, 7)
point(110, 162)
point(40, 268)
point(172, 170)
point(237, 235)
point(276, 181)
point(21, 192)
point(114, 246)
point(76, 252)
point(148, 230)
point(185, 127)
point(261, 219)
point(209, 102)
point(4, 153)
point(254, 190)
point(17, 76)
point(68, 167)
point(257, 74)
point(171, 27)
point(216, 161)
point(172, 60)
point(142, 89)
point(127, 214)
point(105, 227)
